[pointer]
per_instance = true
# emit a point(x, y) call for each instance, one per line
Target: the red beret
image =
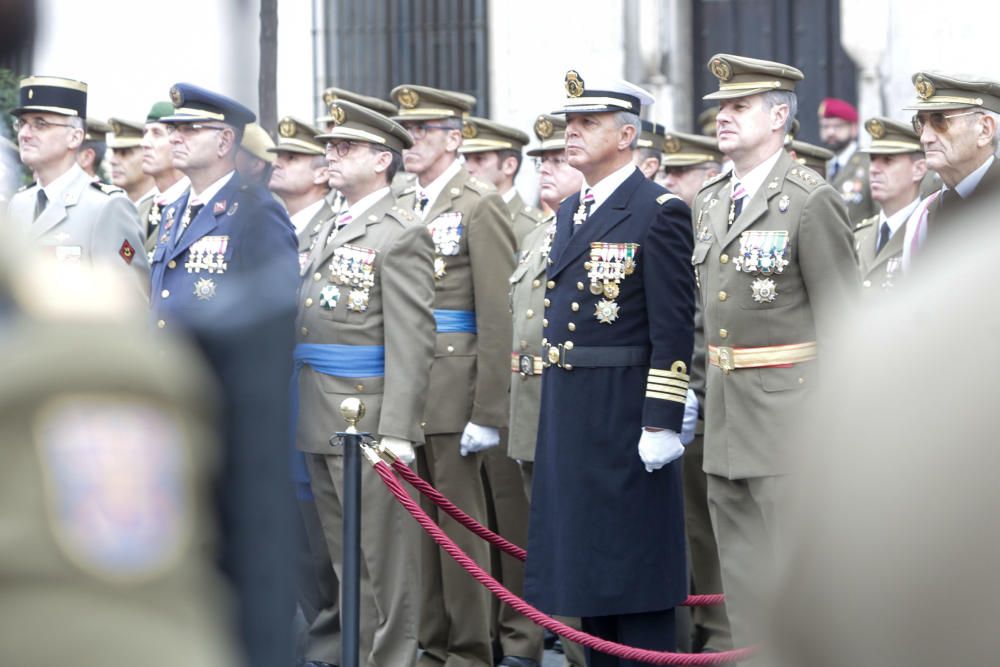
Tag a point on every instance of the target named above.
point(833, 107)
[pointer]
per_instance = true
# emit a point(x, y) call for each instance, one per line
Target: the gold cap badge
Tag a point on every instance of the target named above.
point(876, 129)
point(543, 127)
point(469, 130)
point(116, 127)
point(286, 127)
point(337, 114)
point(721, 69)
point(31, 93)
point(671, 144)
point(175, 96)
point(408, 99)
point(925, 89)
point(329, 98)
point(574, 83)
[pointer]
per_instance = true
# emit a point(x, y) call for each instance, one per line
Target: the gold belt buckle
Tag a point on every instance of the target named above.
point(726, 360)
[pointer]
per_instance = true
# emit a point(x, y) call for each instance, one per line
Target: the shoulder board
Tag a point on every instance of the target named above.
point(665, 197)
point(534, 213)
point(805, 178)
point(479, 186)
point(409, 190)
point(401, 214)
point(107, 188)
point(714, 181)
point(867, 222)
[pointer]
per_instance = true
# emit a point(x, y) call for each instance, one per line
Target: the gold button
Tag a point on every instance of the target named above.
point(451, 348)
point(802, 380)
point(304, 331)
point(545, 341)
point(723, 333)
point(579, 286)
point(161, 324)
point(529, 313)
point(545, 321)
point(571, 326)
point(568, 345)
point(172, 264)
point(724, 258)
point(317, 276)
point(524, 345)
point(423, 424)
point(723, 296)
point(165, 293)
point(536, 283)
point(550, 284)
point(587, 266)
point(574, 306)
point(567, 367)
point(867, 283)
point(547, 303)
point(360, 387)
point(309, 302)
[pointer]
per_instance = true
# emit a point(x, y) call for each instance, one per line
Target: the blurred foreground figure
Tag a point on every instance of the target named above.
point(898, 501)
point(106, 555)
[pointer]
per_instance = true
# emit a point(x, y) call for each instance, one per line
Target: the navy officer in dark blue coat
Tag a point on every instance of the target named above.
point(606, 540)
point(225, 272)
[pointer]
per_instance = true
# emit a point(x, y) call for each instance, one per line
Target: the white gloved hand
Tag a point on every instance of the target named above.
point(658, 448)
point(690, 418)
point(401, 449)
point(476, 438)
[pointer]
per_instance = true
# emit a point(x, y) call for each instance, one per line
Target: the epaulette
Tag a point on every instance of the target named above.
point(534, 213)
point(402, 215)
point(107, 188)
point(805, 178)
point(718, 178)
point(482, 187)
point(665, 197)
point(867, 222)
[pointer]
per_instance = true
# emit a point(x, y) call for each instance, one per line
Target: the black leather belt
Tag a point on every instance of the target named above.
point(569, 356)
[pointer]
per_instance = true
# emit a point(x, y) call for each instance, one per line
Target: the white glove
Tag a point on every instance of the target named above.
point(658, 448)
point(401, 449)
point(690, 418)
point(476, 438)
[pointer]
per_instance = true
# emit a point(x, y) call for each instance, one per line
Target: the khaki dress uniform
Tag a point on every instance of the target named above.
point(365, 330)
point(773, 283)
point(852, 183)
point(473, 258)
point(525, 217)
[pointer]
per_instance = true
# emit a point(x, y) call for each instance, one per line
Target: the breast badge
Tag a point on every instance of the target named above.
point(764, 290)
point(204, 289)
point(329, 296)
point(606, 311)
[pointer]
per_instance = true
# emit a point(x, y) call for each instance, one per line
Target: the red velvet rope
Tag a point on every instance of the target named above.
point(537, 617)
point(508, 547)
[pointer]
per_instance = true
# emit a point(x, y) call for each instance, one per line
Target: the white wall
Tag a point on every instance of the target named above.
point(130, 52)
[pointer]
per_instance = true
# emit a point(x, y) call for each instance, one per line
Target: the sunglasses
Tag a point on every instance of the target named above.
point(938, 120)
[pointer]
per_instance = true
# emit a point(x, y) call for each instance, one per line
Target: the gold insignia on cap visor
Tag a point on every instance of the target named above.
point(671, 144)
point(876, 129)
point(31, 93)
point(721, 69)
point(925, 89)
point(286, 128)
point(337, 115)
point(408, 99)
point(328, 98)
point(116, 127)
point(544, 127)
point(574, 83)
point(175, 96)
point(469, 130)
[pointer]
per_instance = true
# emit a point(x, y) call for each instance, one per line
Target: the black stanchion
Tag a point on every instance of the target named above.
point(350, 586)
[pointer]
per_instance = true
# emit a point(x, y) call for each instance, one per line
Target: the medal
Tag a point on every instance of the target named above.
point(328, 297)
point(439, 268)
point(764, 290)
point(357, 300)
point(606, 311)
point(204, 289)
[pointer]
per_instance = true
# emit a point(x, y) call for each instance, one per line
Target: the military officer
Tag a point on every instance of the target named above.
point(473, 257)
point(66, 213)
point(106, 480)
point(158, 162)
point(848, 171)
point(225, 269)
point(366, 329)
point(957, 120)
point(557, 181)
point(616, 350)
point(126, 162)
point(810, 155)
point(897, 171)
point(493, 154)
point(775, 261)
point(253, 160)
point(90, 156)
point(648, 155)
point(689, 160)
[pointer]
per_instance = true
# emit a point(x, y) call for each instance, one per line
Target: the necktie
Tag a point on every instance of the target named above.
point(40, 204)
point(738, 195)
point(883, 237)
point(834, 168)
point(420, 205)
point(583, 211)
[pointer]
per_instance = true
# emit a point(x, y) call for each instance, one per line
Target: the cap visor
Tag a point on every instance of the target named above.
point(295, 149)
point(939, 106)
point(587, 108)
point(124, 143)
point(733, 94)
point(183, 118)
point(541, 150)
point(62, 111)
point(421, 117)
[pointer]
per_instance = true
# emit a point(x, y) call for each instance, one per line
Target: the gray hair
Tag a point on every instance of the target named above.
point(623, 118)
point(996, 132)
point(773, 98)
point(77, 123)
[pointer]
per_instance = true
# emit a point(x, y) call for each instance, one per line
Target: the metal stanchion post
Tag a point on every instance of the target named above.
point(353, 410)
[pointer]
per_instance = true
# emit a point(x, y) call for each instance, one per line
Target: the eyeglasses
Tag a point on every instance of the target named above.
point(36, 124)
point(938, 120)
point(419, 130)
point(554, 161)
point(189, 129)
point(340, 148)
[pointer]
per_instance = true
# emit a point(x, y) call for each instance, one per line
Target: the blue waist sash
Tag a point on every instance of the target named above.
point(352, 361)
point(455, 321)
